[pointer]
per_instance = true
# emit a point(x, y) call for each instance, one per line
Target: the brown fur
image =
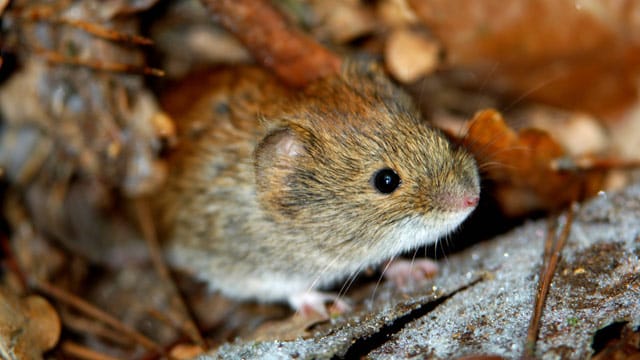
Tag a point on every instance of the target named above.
point(272, 188)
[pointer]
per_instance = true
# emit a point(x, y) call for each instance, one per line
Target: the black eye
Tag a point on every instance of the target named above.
point(386, 180)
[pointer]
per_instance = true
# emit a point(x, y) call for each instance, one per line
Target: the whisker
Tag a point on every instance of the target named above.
point(350, 279)
point(348, 282)
point(384, 270)
point(488, 76)
point(413, 258)
point(490, 165)
point(530, 91)
point(361, 266)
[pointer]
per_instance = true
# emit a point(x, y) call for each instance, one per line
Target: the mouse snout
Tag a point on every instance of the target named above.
point(470, 201)
point(458, 201)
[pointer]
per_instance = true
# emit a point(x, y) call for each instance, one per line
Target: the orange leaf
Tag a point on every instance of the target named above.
point(520, 165)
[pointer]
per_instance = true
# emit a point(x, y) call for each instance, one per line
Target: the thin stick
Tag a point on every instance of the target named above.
point(50, 15)
point(550, 264)
point(294, 57)
point(105, 33)
point(11, 262)
point(593, 163)
point(57, 58)
point(91, 310)
point(85, 325)
point(82, 352)
point(552, 225)
point(169, 321)
point(149, 233)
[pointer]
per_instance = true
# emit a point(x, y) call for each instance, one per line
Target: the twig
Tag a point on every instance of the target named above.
point(553, 250)
point(552, 226)
point(149, 233)
point(169, 321)
point(296, 58)
point(593, 163)
point(11, 262)
point(105, 33)
point(88, 326)
point(58, 58)
point(50, 15)
point(81, 352)
point(91, 310)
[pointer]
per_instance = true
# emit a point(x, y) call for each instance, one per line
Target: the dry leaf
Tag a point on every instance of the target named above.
point(343, 21)
point(578, 133)
point(3, 5)
point(185, 351)
point(575, 54)
point(410, 56)
point(44, 323)
point(520, 164)
point(395, 13)
point(28, 326)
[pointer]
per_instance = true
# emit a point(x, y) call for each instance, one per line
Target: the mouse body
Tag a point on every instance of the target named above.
point(274, 193)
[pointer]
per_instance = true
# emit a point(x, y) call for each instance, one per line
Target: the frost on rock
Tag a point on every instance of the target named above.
point(482, 300)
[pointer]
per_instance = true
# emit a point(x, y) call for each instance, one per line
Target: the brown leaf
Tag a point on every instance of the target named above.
point(186, 351)
point(577, 55)
point(410, 55)
point(520, 164)
point(44, 322)
point(28, 326)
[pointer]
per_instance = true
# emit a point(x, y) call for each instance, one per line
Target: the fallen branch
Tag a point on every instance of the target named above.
point(296, 58)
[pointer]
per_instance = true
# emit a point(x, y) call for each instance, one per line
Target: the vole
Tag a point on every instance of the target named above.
point(275, 193)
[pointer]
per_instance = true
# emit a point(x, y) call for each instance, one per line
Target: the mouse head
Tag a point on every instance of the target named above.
point(351, 160)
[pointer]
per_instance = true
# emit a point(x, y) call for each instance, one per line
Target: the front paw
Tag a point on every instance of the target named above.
point(404, 272)
point(312, 303)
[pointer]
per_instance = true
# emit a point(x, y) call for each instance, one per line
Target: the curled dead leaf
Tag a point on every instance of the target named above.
point(410, 56)
point(572, 54)
point(521, 165)
point(28, 326)
point(44, 322)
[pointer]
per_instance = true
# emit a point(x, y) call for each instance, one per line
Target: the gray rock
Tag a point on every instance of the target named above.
point(482, 301)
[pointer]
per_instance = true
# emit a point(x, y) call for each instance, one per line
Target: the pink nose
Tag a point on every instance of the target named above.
point(470, 201)
point(458, 202)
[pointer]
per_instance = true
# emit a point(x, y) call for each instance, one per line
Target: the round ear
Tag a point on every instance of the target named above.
point(275, 159)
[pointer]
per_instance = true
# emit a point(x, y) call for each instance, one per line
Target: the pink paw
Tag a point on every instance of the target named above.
point(403, 272)
point(312, 303)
